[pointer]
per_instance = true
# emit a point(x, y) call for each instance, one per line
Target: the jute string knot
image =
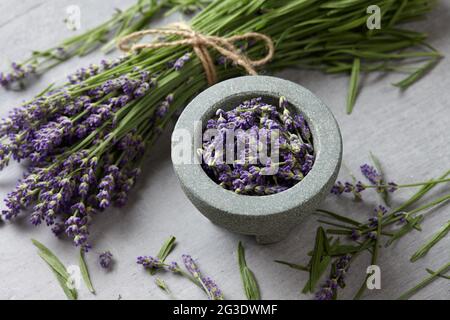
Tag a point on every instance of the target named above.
point(200, 43)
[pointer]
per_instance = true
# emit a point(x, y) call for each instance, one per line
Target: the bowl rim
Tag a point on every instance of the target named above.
point(324, 128)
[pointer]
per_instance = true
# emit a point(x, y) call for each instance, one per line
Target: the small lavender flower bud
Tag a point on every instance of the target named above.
point(283, 103)
point(105, 260)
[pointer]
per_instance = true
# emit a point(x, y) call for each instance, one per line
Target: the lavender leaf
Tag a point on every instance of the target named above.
point(408, 294)
point(85, 273)
point(423, 250)
point(248, 278)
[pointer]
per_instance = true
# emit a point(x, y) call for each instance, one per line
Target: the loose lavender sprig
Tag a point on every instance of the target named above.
point(260, 120)
point(193, 273)
point(375, 178)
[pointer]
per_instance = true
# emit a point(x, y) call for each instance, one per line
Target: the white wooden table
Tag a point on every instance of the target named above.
point(408, 131)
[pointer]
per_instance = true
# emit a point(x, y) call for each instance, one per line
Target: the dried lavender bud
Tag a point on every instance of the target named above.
point(258, 126)
point(18, 73)
point(179, 64)
point(105, 260)
point(372, 235)
point(209, 285)
point(149, 262)
point(355, 235)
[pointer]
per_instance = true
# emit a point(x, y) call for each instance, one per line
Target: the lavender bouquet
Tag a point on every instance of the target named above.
point(84, 141)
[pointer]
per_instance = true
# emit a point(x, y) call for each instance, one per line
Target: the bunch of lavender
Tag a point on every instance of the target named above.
point(255, 122)
point(193, 273)
point(78, 166)
point(84, 141)
point(121, 24)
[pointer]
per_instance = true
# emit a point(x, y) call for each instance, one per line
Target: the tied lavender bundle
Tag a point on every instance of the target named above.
point(258, 125)
point(69, 185)
point(85, 140)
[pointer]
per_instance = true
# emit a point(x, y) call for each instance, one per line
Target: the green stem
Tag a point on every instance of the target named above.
point(408, 294)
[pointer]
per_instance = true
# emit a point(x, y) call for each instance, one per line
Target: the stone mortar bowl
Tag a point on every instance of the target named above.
point(270, 218)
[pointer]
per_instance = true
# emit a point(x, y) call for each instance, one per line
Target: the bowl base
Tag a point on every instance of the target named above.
point(271, 238)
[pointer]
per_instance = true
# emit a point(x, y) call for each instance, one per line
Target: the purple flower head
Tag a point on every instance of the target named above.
point(190, 265)
point(371, 174)
point(359, 187)
point(325, 293)
point(36, 218)
point(104, 199)
point(283, 102)
point(338, 188)
point(380, 210)
point(106, 259)
point(179, 63)
point(173, 267)
point(348, 187)
point(149, 262)
point(141, 90)
point(372, 235)
point(355, 235)
point(328, 290)
point(373, 222)
point(392, 187)
point(402, 216)
point(164, 107)
point(80, 240)
point(213, 290)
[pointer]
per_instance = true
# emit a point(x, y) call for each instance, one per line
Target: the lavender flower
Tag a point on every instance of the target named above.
point(355, 235)
point(191, 266)
point(209, 285)
point(254, 121)
point(149, 262)
point(379, 211)
point(335, 280)
point(18, 73)
point(105, 259)
point(372, 235)
point(371, 174)
point(347, 187)
point(213, 289)
point(179, 64)
point(173, 267)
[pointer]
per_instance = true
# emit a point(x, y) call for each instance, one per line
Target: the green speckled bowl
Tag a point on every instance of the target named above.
point(269, 218)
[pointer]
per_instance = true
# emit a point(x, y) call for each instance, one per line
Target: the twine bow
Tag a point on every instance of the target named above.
point(200, 43)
